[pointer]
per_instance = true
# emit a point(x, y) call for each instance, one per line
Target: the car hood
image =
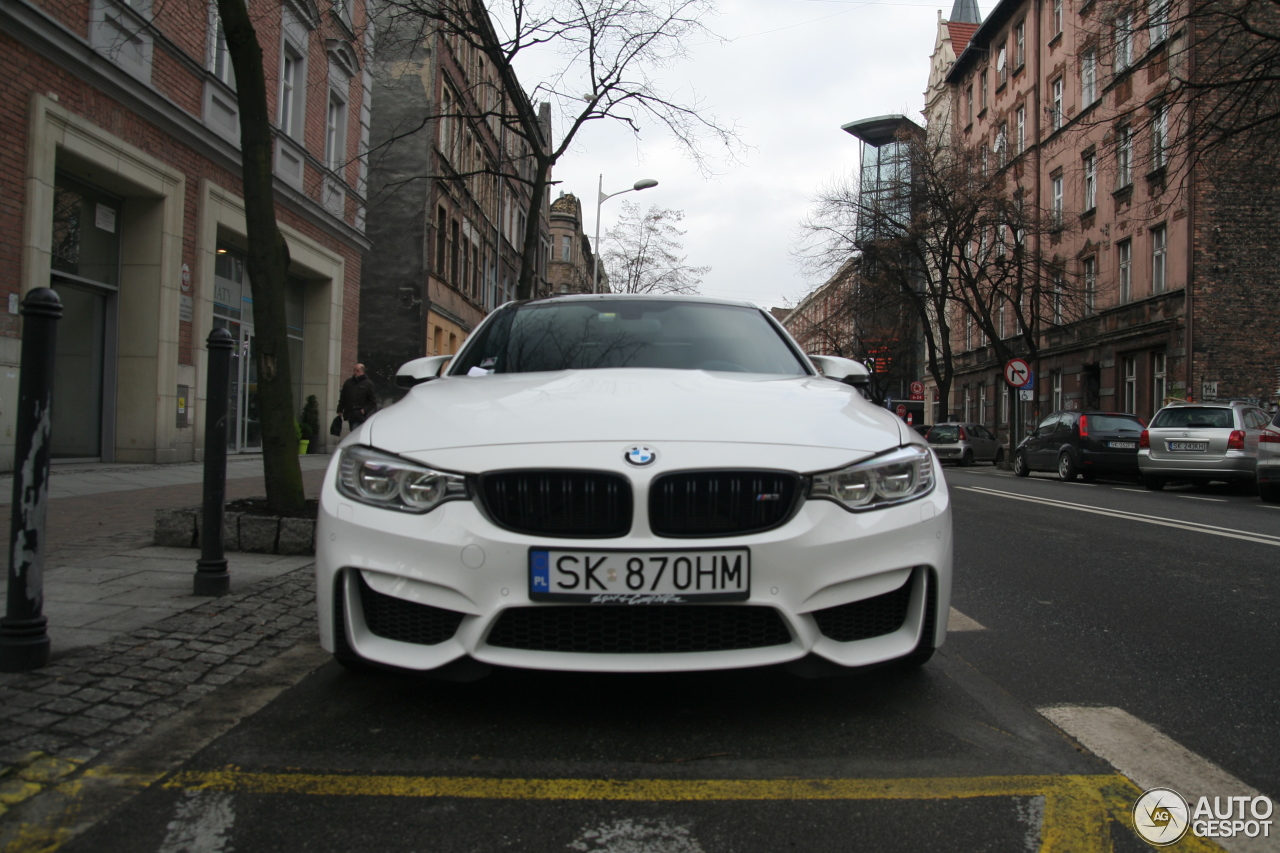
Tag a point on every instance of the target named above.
point(632, 404)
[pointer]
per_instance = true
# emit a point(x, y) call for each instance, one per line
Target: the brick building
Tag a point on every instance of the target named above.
point(448, 230)
point(120, 188)
point(1074, 104)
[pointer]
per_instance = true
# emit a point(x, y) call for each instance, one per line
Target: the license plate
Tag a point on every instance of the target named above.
point(1188, 445)
point(640, 577)
point(1122, 445)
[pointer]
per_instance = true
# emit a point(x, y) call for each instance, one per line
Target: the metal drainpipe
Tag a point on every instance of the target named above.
point(1188, 301)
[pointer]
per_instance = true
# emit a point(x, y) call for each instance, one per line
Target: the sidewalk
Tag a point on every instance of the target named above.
point(131, 645)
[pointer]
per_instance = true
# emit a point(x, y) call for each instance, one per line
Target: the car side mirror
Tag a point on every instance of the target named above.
point(844, 370)
point(420, 370)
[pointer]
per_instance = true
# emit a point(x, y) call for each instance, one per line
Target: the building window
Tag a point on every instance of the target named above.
point(335, 132)
point(983, 79)
point(1057, 390)
point(1159, 244)
point(1123, 37)
point(293, 98)
point(1090, 182)
point(982, 404)
point(122, 31)
point(1055, 211)
point(1021, 137)
point(1057, 17)
point(1124, 157)
point(1159, 136)
point(968, 101)
point(1130, 366)
point(221, 68)
point(566, 248)
point(1058, 287)
point(442, 239)
point(1158, 20)
point(1125, 253)
point(1002, 145)
point(968, 404)
point(453, 253)
point(1159, 389)
point(1020, 44)
point(1055, 117)
point(1088, 78)
point(968, 331)
point(1089, 272)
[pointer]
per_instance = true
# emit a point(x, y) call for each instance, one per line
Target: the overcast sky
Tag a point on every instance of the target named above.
point(790, 73)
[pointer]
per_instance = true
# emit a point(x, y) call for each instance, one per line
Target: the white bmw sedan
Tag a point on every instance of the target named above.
point(633, 484)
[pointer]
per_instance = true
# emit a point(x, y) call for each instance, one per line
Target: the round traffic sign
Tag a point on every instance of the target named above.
point(1017, 372)
point(917, 387)
point(901, 410)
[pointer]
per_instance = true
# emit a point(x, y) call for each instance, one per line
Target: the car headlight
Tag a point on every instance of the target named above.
point(892, 478)
point(380, 479)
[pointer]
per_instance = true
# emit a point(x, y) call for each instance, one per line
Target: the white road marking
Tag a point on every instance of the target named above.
point(957, 621)
point(642, 836)
point(1152, 759)
point(1200, 498)
point(1193, 526)
point(1127, 489)
point(1077, 483)
point(201, 824)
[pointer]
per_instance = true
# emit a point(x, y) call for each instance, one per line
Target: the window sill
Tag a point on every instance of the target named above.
point(1004, 84)
point(1017, 71)
point(1053, 42)
point(1123, 194)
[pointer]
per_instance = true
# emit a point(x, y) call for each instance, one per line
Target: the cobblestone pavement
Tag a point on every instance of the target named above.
point(95, 699)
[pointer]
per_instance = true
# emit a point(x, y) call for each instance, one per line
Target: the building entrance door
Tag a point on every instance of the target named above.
point(233, 311)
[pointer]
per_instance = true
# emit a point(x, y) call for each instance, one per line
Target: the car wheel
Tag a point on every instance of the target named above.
point(1066, 467)
point(967, 459)
point(999, 460)
point(1155, 484)
point(1269, 492)
point(1020, 466)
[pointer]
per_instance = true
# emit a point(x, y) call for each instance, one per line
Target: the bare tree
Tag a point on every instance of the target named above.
point(608, 53)
point(953, 236)
point(642, 253)
point(267, 263)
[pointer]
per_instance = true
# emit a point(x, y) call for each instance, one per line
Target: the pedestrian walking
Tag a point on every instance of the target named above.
point(359, 399)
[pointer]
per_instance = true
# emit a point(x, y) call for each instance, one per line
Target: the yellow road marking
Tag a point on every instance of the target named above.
point(1078, 810)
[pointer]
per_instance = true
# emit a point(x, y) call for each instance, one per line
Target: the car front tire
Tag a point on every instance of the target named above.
point(1020, 466)
point(1066, 467)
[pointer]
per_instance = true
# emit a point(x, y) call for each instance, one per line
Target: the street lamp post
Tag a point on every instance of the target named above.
point(601, 198)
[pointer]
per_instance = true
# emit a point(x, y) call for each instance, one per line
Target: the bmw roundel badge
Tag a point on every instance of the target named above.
point(640, 455)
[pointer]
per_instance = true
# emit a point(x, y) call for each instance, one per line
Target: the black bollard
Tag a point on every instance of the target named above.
point(212, 577)
point(24, 642)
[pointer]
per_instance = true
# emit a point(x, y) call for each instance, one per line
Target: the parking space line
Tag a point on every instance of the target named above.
point(1077, 809)
point(957, 621)
point(1127, 489)
point(1151, 759)
point(1193, 526)
point(1202, 498)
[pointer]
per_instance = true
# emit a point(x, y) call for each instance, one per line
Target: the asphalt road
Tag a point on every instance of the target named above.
point(1158, 604)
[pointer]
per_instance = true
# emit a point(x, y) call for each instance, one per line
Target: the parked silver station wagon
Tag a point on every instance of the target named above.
point(1200, 442)
point(965, 443)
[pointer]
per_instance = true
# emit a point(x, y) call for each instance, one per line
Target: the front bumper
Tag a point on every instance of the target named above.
point(454, 559)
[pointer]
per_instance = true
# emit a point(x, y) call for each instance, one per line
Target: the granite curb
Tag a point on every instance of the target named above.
point(98, 698)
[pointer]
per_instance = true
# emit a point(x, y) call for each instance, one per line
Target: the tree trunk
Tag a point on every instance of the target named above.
point(267, 265)
point(525, 287)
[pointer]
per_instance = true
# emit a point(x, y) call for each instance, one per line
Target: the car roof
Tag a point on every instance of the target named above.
point(658, 297)
point(1221, 404)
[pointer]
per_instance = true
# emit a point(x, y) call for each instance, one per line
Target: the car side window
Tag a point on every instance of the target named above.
point(1065, 423)
point(1046, 425)
point(1259, 419)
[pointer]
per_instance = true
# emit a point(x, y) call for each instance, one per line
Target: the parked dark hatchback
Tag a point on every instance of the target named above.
point(1085, 444)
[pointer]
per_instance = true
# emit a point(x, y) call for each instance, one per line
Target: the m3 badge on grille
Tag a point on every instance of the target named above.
point(640, 455)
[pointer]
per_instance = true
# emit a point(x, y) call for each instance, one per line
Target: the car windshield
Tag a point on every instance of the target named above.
point(1114, 423)
point(1195, 417)
point(622, 332)
point(944, 435)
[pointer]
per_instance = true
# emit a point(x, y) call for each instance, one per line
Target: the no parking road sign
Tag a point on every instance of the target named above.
point(1017, 372)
